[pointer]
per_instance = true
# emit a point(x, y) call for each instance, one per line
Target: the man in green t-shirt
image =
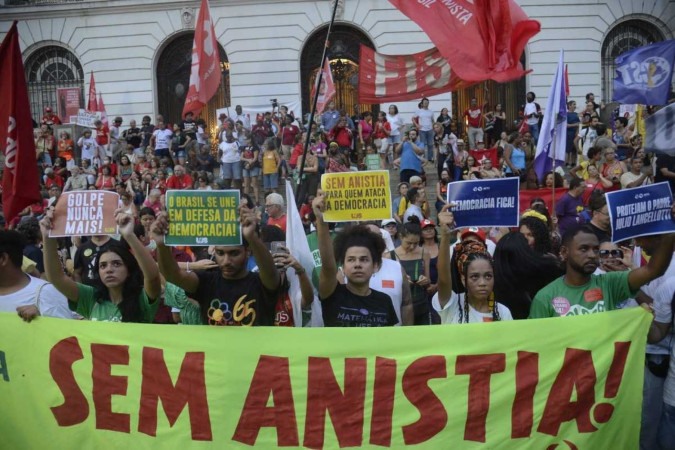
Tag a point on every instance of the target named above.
point(579, 291)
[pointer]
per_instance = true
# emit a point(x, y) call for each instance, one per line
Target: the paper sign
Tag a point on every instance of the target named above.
point(356, 196)
point(201, 218)
point(87, 118)
point(85, 213)
point(485, 203)
point(68, 103)
point(640, 211)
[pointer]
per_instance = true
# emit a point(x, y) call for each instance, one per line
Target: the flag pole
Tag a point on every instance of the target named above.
point(298, 200)
point(553, 153)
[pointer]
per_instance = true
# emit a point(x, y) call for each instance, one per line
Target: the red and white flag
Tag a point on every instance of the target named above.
point(481, 39)
point(20, 179)
point(92, 106)
point(327, 88)
point(101, 109)
point(205, 76)
point(396, 78)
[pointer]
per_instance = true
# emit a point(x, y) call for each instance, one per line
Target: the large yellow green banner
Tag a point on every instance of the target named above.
point(572, 383)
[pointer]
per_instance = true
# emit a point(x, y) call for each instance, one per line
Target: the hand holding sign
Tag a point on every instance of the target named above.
point(46, 223)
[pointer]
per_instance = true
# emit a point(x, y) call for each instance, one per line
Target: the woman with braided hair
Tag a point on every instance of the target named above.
point(475, 300)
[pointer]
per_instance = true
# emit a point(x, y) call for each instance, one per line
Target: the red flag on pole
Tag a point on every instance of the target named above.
point(101, 109)
point(397, 78)
point(20, 180)
point(482, 40)
point(93, 104)
point(327, 88)
point(205, 76)
point(567, 83)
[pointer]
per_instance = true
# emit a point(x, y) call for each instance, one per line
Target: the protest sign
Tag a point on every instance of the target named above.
point(68, 103)
point(356, 196)
point(504, 385)
point(485, 203)
point(640, 211)
point(203, 217)
point(87, 118)
point(85, 213)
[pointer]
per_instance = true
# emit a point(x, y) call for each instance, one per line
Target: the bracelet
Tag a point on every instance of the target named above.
point(300, 271)
point(187, 268)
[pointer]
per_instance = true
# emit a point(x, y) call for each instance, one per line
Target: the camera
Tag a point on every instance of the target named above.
point(274, 102)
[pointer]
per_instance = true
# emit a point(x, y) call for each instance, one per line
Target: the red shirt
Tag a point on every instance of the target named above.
point(182, 182)
point(57, 180)
point(341, 135)
point(102, 135)
point(288, 134)
point(474, 117)
point(295, 154)
point(280, 222)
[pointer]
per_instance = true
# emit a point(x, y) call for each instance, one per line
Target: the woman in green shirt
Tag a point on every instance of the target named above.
point(125, 287)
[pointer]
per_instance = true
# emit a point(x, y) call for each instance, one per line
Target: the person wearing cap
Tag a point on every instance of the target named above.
point(275, 210)
point(391, 227)
point(50, 119)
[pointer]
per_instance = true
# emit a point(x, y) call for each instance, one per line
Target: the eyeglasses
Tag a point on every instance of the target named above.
point(618, 254)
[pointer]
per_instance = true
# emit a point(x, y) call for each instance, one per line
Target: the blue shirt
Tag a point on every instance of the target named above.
point(572, 118)
point(329, 119)
point(409, 159)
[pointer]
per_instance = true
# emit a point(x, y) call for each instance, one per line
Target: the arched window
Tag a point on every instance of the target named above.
point(48, 69)
point(343, 55)
point(173, 80)
point(623, 37)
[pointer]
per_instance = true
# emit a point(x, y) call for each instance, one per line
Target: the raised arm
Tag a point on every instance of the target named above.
point(269, 276)
point(327, 276)
point(446, 222)
point(656, 266)
point(151, 279)
point(53, 268)
point(188, 281)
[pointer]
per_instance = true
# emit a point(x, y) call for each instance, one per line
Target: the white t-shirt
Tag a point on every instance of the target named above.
point(651, 289)
point(396, 123)
point(88, 147)
point(630, 177)
point(230, 151)
point(162, 138)
point(52, 302)
point(531, 108)
point(201, 135)
point(389, 279)
point(450, 313)
point(663, 312)
point(114, 134)
point(413, 210)
point(425, 117)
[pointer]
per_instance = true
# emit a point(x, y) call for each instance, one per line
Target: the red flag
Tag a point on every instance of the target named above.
point(205, 76)
point(20, 180)
point(93, 104)
point(567, 83)
point(389, 78)
point(327, 89)
point(101, 109)
point(481, 40)
point(527, 195)
point(487, 153)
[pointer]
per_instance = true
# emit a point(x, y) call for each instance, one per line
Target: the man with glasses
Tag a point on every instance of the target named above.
point(276, 211)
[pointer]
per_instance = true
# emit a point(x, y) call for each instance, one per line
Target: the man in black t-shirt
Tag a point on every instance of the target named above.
point(231, 295)
point(189, 128)
point(133, 136)
point(665, 170)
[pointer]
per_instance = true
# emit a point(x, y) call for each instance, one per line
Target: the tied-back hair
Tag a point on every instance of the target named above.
point(463, 310)
point(133, 286)
point(412, 226)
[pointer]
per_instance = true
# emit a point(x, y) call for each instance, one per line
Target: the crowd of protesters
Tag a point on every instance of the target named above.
point(413, 269)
